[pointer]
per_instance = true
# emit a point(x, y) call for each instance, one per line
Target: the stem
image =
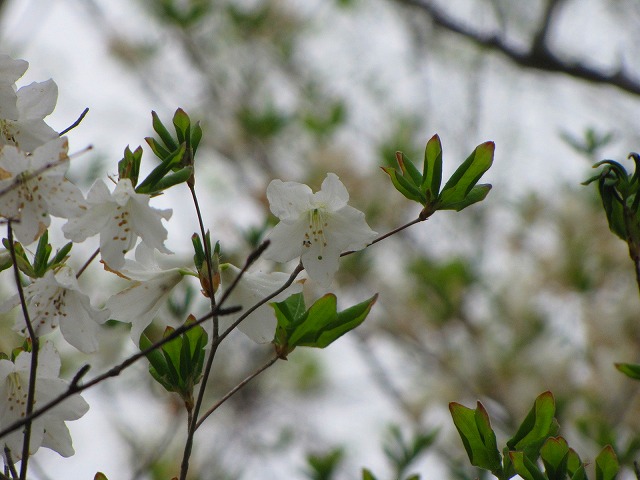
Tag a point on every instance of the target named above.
point(87, 263)
point(191, 430)
point(35, 344)
point(249, 311)
point(387, 235)
point(10, 464)
point(76, 123)
point(235, 389)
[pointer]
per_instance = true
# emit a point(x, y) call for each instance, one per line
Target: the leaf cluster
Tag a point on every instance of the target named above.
point(41, 263)
point(534, 452)
point(460, 191)
point(319, 326)
point(177, 364)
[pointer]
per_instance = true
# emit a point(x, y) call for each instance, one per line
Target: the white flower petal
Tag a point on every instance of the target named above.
point(37, 100)
point(333, 195)
point(321, 263)
point(140, 302)
point(280, 249)
point(288, 200)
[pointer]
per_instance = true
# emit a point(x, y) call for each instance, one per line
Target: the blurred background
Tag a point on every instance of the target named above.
point(526, 292)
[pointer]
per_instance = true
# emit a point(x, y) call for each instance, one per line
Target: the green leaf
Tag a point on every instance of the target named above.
point(170, 180)
point(182, 123)
point(432, 171)
point(158, 149)
point(60, 256)
point(575, 466)
point(477, 436)
point(403, 186)
point(158, 173)
point(607, 464)
point(407, 167)
point(41, 257)
point(317, 327)
point(525, 467)
point(367, 475)
point(631, 370)
point(468, 174)
point(477, 194)
point(538, 425)
point(555, 455)
point(129, 165)
point(324, 325)
point(162, 131)
point(196, 136)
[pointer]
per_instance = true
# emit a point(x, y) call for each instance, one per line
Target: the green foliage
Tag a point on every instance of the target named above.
point(41, 263)
point(631, 370)
point(477, 437)
point(177, 364)
point(534, 440)
point(459, 192)
point(176, 154)
point(319, 326)
point(208, 269)
point(619, 193)
point(324, 466)
point(402, 452)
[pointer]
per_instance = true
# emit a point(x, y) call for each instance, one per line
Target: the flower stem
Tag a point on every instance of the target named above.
point(191, 430)
point(387, 235)
point(35, 344)
point(235, 389)
point(88, 262)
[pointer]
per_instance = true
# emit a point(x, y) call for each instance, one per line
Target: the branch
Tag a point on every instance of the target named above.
point(539, 56)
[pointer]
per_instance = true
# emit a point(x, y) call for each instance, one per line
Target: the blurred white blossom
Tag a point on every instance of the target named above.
point(150, 288)
point(33, 187)
point(56, 300)
point(120, 217)
point(48, 430)
point(260, 325)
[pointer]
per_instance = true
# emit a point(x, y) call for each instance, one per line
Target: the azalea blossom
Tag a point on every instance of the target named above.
point(317, 227)
point(120, 217)
point(10, 71)
point(48, 430)
point(150, 288)
point(260, 325)
point(33, 187)
point(27, 130)
point(56, 300)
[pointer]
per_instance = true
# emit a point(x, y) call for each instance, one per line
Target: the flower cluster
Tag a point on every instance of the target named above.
point(315, 227)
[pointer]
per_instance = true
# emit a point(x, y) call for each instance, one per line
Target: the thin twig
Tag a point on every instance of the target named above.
point(76, 123)
point(193, 414)
point(9, 463)
point(35, 344)
point(235, 389)
point(88, 262)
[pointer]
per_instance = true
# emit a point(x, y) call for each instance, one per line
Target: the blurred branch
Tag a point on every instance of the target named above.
point(539, 56)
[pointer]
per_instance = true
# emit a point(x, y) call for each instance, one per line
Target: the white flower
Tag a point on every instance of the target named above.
point(260, 325)
point(48, 430)
point(34, 187)
point(120, 218)
point(317, 227)
point(139, 302)
point(10, 71)
point(28, 130)
point(56, 300)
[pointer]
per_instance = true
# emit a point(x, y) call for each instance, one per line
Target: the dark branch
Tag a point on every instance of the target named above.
point(539, 56)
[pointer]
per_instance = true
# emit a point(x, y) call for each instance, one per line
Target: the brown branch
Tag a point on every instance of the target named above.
point(538, 56)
